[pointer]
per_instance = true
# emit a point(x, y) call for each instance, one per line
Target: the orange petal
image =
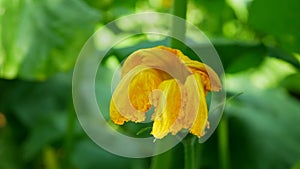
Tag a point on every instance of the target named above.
point(115, 116)
point(210, 79)
point(141, 86)
point(176, 52)
point(159, 58)
point(167, 102)
point(192, 101)
point(202, 113)
point(131, 97)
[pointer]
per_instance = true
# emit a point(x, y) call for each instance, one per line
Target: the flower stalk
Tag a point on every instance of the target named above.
point(178, 29)
point(189, 151)
point(223, 143)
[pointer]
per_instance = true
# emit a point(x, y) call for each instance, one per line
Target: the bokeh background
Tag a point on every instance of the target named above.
point(258, 42)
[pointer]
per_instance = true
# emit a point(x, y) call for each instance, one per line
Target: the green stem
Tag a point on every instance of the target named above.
point(223, 143)
point(189, 152)
point(178, 28)
point(68, 143)
point(162, 160)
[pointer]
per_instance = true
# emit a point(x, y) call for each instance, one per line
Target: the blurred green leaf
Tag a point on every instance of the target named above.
point(42, 37)
point(297, 165)
point(213, 14)
point(235, 56)
point(278, 53)
point(279, 19)
point(44, 133)
point(31, 102)
point(41, 108)
point(9, 150)
point(144, 130)
point(263, 129)
point(87, 155)
point(292, 83)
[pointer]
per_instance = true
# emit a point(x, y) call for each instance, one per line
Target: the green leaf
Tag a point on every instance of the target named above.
point(236, 56)
point(39, 109)
point(87, 155)
point(281, 20)
point(263, 129)
point(144, 130)
point(278, 53)
point(213, 15)
point(9, 150)
point(291, 83)
point(297, 165)
point(43, 134)
point(40, 38)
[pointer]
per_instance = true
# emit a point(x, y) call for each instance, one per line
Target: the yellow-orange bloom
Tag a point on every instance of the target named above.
point(171, 82)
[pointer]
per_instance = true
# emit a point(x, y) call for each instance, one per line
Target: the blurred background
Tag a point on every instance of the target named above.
point(258, 42)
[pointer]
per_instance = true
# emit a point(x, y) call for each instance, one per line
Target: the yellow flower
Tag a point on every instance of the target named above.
point(171, 82)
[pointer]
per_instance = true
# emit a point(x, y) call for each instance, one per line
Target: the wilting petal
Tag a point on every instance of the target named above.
point(210, 79)
point(176, 52)
point(141, 86)
point(159, 58)
point(202, 113)
point(131, 97)
point(167, 102)
point(179, 96)
point(192, 101)
point(115, 116)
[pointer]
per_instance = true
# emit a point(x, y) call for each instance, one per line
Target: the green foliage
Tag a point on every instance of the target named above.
point(263, 129)
point(40, 38)
point(280, 20)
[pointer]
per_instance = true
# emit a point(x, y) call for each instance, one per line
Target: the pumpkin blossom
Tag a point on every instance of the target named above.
point(171, 82)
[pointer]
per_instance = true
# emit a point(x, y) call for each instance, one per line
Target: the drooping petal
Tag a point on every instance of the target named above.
point(192, 101)
point(141, 86)
point(176, 52)
point(115, 116)
point(210, 79)
point(159, 58)
point(130, 100)
point(167, 102)
point(200, 121)
point(179, 96)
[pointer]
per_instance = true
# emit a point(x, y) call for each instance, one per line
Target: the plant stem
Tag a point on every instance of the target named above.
point(178, 28)
point(223, 143)
point(68, 142)
point(189, 152)
point(162, 160)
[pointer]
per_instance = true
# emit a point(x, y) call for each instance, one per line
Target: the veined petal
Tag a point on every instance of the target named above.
point(130, 100)
point(210, 79)
point(159, 58)
point(193, 101)
point(115, 116)
point(142, 85)
point(167, 102)
point(176, 52)
point(200, 121)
